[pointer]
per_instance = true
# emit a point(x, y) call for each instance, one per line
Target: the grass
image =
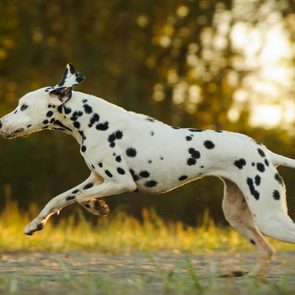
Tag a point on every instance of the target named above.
point(120, 234)
point(117, 234)
point(176, 281)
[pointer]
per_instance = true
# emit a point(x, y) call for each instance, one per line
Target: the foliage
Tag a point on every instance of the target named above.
point(174, 60)
point(117, 234)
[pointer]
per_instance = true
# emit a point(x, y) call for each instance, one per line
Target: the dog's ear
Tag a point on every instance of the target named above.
point(60, 95)
point(70, 77)
point(62, 92)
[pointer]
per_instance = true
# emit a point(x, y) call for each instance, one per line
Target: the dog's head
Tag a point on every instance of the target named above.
point(37, 110)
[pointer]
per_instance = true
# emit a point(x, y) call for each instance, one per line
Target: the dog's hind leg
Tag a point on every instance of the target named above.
point(266, 200)
point(237, 213)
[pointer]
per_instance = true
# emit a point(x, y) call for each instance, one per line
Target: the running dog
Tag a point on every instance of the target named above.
point(130, 152)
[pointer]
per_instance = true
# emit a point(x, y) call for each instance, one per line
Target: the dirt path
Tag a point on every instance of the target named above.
point(50, 271)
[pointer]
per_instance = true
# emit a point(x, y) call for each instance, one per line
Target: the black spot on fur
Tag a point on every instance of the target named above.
point(240, 163)
point(118, 159)
point(152, 133)
point(119, 134)
point(45, 122)
point(195, 130)
point(75, 191)
point(80, 78)
point(88, 185)
point(191, 161)
point(150, 161)
point(93, 119)
point(276, 195)
point(77, 124)
point(144, 174)
point(69, 198)
point(266, 162)
point(100, 164)
point(252, 242)
point(23, 107)
point(134, 175)
point(151, 183)
point(76, 115)
point(83, 148)
point(87, 108)
point(209, 144)
point(183, 177)
point(102, 126)
point(260, 167)
point(66, 110)
point(131, 152)
point(121, 171)
point(278, 178)
point(108, 173)
point(49, 114)
point(188, 138)
point(195, 154)
point(261, 152)
point(257, 180)
point(115, 136)
point(60, 109)
point(253, 192)
point(112, 138)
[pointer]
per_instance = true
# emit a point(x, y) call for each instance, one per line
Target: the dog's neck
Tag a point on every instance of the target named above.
point(70, 117)
point(80, 113)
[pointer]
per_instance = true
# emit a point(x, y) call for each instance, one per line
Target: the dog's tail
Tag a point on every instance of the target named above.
point(278, 160)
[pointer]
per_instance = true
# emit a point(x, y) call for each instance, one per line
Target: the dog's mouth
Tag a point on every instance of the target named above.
point(15, 133)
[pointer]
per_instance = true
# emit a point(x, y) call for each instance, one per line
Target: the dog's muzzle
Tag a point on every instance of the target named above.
point(13, 134)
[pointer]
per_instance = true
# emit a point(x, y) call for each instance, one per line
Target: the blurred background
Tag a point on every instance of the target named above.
point(191, 63)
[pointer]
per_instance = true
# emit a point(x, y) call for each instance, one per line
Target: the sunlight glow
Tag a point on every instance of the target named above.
point(267, 115)
point(267, 50)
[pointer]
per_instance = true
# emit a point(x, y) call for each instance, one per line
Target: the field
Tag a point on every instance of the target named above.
point(120, 255)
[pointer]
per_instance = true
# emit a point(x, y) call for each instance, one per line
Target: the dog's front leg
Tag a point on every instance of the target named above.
point(61, 201)
point(107, 188)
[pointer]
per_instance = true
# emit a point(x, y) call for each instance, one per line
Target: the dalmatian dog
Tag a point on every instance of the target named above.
point(130, 152)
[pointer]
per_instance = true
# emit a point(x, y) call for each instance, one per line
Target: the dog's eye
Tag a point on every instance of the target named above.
point(23, 107)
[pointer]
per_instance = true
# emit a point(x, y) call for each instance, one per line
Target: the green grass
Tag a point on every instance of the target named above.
point(118, 233)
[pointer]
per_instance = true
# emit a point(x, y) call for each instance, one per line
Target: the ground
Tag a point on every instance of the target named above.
point(139, 273)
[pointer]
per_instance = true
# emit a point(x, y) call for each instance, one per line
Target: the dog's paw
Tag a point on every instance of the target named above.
point(97, 207)
point(32, 227)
